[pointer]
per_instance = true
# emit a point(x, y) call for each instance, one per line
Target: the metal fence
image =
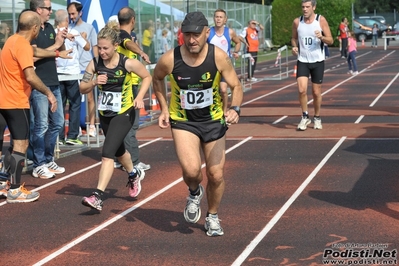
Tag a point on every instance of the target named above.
point(164, 14)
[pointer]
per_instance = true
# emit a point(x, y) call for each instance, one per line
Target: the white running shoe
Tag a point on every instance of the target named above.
point(192, 211)
point(212, 226)
point(42, 172)
point(54, 168)
point(92, 131)
point(317, 123)
point(143, 166)
point(305, 121)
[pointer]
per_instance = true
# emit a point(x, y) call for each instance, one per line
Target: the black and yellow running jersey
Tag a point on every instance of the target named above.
point(195, 90)
point(116, 96)
point(126, 37)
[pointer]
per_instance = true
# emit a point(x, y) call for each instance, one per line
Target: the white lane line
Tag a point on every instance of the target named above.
point(280, 119)
point(121, 215)
point(267, 94)
point(78, 172)
point(383, 91)
point(285, 207)
point(359, 119)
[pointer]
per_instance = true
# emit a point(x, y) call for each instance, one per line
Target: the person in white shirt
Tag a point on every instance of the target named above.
point(70, 88)
point(309, 34)
point(222, 36)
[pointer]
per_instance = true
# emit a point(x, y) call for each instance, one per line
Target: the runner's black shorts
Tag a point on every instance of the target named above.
point(207, 131)
point(17, 121)
point(315, 70)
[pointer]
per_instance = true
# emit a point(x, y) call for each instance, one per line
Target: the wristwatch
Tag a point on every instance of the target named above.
point(237, 109)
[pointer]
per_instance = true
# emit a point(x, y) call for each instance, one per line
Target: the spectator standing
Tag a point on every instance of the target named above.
point(77, 23)
point(147, 41)
point(176, 27)
point(198, 125)
point(127, 21)
point(251, 36)
point(374, 42)
point(46, 125)
point(222, 36)
point(165, 43)
point(18, 77)
point(168, 34)
point(310, 31)
point(70, 88)
point(4, 33)
point(158, 38)
point(352, 49)
point(113, 73)
point(343, 30)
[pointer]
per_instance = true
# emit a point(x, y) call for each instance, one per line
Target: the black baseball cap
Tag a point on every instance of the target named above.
point(194, 22)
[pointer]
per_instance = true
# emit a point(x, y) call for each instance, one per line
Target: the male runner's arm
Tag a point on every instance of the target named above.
point(326, 36)
point(163, 68)
point(225, 67)
point(237, 41)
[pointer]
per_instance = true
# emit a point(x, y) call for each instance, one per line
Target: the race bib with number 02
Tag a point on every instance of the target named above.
point(196, 99)
point(109, 101)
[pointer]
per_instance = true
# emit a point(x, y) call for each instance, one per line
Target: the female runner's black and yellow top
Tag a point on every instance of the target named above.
point(116, 96)
point(195, 90)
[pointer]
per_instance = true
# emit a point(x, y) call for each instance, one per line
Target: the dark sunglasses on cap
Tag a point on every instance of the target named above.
point(46, 7)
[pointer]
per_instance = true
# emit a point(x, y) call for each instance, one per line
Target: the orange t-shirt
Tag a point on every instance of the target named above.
point(252, 39)
point(343, 29)
point(17, 55)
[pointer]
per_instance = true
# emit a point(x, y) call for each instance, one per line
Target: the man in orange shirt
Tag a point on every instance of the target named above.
point(250, 35)
point(18, 76)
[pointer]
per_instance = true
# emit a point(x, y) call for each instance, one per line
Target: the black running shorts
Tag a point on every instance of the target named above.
point(315, 70)
point(206, 131)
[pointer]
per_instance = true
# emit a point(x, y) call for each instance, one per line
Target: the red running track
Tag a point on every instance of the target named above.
point(290, 196)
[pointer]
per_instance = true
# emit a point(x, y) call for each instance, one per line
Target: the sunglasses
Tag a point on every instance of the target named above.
point(46, 7)
point(253, 23)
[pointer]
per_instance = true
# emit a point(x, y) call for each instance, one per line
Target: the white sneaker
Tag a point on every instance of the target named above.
point(305, 121)
point(317, 123)
point(143, 166)
point(117, 165)
point(54, 168)
point(92, 131)
point(350, 72)
point(355, 73)
point(42, 172)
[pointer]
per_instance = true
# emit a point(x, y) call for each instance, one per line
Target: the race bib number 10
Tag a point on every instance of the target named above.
point(196, 99)
point(109, 101)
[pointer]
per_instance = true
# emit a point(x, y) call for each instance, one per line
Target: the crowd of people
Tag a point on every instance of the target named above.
point(33, 107)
